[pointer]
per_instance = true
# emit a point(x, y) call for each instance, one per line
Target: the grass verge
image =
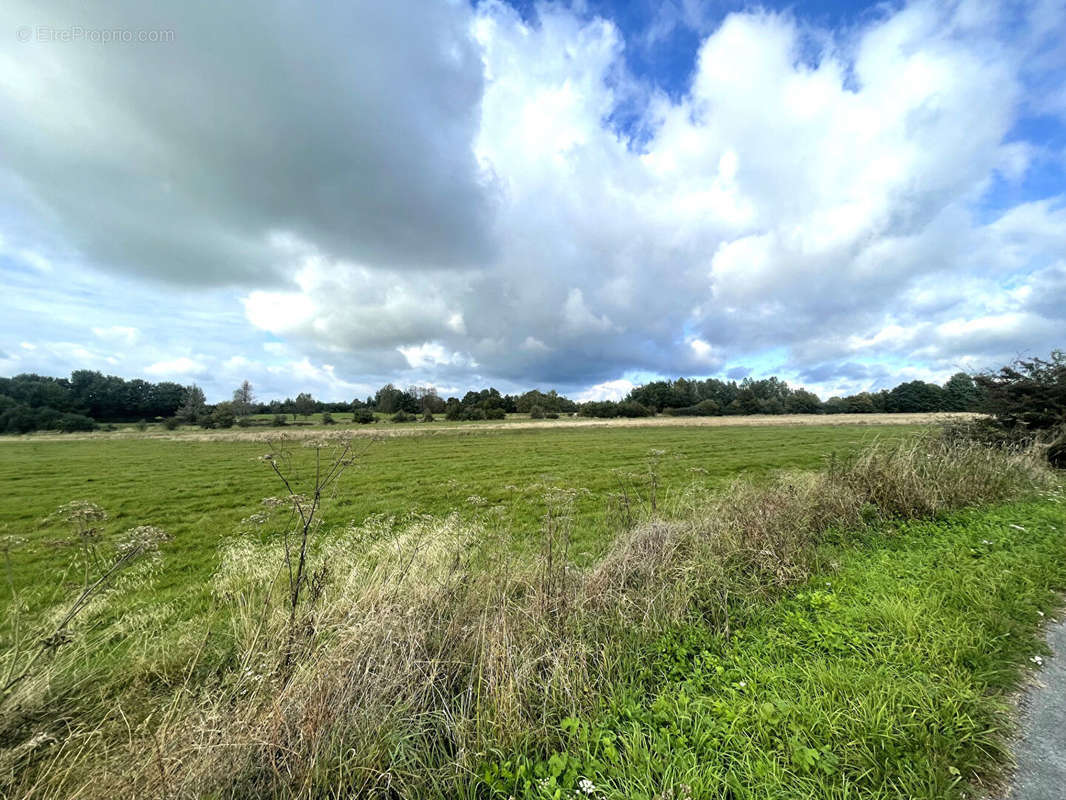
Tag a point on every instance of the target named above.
point(885, 675)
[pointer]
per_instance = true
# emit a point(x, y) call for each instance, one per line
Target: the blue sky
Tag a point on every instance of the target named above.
point(576, 195)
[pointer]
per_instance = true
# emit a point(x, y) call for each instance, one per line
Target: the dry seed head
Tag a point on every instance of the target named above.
point(77, 512)
point(143, 538)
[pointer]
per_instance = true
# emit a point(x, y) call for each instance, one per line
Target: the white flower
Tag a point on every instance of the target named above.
point(1037, 660)
point(1040, 613)
point(586, 786)
point(742, 684)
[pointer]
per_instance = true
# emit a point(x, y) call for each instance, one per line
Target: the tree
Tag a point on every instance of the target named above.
point(193, 405)
point(961, 393)
point(1028, 393)
point(915, 396)
point(803, 402)
point(243, 398)
point(388, 399)
point(304, 405)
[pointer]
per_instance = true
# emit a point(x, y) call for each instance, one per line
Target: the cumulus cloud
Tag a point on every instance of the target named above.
point(176, 368)
point(608, 390)
point(443, 192)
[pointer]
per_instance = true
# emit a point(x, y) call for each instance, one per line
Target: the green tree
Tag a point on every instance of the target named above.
point(243, 398)
point(961, 393)
point(304, 404)
point(193, 404)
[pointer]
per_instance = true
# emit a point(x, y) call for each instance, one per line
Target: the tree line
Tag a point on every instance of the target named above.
point(87, 398)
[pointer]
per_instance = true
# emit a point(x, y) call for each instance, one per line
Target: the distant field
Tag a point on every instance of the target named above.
point(200, 485)
point(312, 426)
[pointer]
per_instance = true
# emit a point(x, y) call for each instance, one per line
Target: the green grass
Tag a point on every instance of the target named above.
point(881, 676)
point(199, 491)
point(886, 677)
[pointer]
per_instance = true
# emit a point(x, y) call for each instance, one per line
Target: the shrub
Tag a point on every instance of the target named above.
point(363, 416)
point(223, 416)
point(172, 423)
point(142, 425)
point(473, 414)
point(244, 422)
point(71, 423)
point(495, 413)
point(631, 408)
point(427, 416)
point(279, 421)
point(536, 412)
point(327, 419)
point(704, 408)
point(402, 416)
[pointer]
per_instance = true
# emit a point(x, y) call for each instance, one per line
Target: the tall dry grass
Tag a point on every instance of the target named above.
point(424, 647)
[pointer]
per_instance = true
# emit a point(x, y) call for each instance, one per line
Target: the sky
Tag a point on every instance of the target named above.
point(582, 196)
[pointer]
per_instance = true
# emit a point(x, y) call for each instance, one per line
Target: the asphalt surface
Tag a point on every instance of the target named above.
point(1040, 749)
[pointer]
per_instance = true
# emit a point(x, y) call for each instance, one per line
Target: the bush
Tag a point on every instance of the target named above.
point(363, 416)
point(279, 421)
point(1029, 393)
point(473, 414)
point(704, 408)
point(495, 413)
point(536, 412)
point(142, 425)
point(327, 419)
point(71, 423)
point(172, 423)
point(427, 416)
point(223, 416)
point(402, 416)
point(631, 408)
point(244, 422)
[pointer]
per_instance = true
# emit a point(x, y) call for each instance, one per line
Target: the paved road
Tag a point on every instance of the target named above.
point(1040, 750)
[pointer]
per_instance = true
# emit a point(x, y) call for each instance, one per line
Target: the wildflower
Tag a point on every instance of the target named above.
point(1040, 613)
point(986, 541)
point(77, 512)
point(586, 786)
point(1037, 660)
point(742, 684)
point(476, 500)
point(143, 538)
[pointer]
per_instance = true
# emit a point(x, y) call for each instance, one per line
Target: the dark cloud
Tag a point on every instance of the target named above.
point(346, 124)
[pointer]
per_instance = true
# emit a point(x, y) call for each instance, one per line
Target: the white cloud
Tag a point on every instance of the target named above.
point(819, 195)
point(432, 354)
point(175, 368)
point(118, 334)
point(608, 390)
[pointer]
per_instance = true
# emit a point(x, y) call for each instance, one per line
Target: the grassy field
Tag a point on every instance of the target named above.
point(622, 610)
point(199, 491)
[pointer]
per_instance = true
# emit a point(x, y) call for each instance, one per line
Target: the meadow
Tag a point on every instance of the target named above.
point(611, 610)
point(198, 486)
